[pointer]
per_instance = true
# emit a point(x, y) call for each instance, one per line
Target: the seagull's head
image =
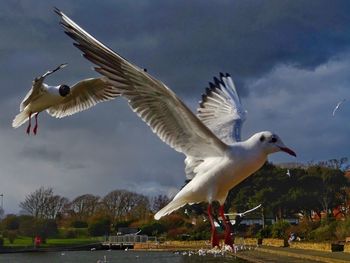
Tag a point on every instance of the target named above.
point(64, 90)
point(271, 143)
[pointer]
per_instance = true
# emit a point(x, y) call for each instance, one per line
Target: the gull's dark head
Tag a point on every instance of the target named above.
point(64, 90)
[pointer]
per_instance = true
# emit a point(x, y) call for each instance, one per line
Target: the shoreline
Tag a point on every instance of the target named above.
point(86, 247)
point(256, 254)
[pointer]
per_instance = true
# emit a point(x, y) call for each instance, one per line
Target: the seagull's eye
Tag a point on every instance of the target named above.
point(273, 139)
point(262, 138)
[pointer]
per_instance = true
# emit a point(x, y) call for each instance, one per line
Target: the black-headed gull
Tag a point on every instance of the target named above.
point(62, 100)
point(215, 161)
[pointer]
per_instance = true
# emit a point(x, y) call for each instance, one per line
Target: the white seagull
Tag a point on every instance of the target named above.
point(338, 105)
point(244, 213)
point(215, 160)
point(288, 173)
point(62, 100)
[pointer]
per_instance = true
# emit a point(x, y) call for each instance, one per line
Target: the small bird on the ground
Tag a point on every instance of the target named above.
point(216, 159)
point(61, 100)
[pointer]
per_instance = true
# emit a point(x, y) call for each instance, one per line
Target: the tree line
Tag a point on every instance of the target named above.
point(315, 191)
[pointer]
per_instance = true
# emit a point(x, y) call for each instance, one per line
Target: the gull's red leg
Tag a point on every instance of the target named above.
point(29, 124)
point(36, 123)
point(214, 237)
point(228, 238)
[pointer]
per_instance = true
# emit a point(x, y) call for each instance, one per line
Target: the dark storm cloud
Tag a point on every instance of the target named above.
point(183, 41)
point(289, 59)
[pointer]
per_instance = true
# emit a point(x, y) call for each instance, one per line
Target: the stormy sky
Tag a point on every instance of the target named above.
point(290, 61)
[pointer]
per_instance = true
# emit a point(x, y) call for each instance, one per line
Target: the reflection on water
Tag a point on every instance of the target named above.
point(115, 256)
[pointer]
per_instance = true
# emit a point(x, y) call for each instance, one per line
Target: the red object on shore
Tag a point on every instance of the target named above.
point(37, 241)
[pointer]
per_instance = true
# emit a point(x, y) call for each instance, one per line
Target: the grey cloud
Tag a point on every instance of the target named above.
point(301, 102)
point(41, 153)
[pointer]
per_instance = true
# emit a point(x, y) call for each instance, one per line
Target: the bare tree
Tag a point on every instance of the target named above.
point(2, 213)
point(42, 203)
point(159, 202)
point(141, 207)
point(122, 204)
point(84, 206)
point(55, 206)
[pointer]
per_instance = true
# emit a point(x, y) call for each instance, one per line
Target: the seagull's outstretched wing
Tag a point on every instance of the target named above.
point(221, 109)
point(49, 72)
point(153, 102)
point(245, 212)
point(37, 87)
point(83, 95)
point(338, 105)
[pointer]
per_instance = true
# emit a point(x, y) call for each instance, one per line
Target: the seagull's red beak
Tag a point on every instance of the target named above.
point(289, 151)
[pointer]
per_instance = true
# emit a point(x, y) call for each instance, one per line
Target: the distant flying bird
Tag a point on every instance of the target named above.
point(244, 213)
point(288, 173)
point(338, 105)
point(62, 100)
point(215, 160)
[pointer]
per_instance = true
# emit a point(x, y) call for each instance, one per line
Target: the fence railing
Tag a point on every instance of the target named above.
point(127, 239)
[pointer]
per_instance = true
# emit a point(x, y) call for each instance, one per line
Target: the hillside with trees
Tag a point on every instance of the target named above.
point(316, 195)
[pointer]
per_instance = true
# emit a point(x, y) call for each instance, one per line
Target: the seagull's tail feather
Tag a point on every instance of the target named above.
point(20, 118)
point(171, 207)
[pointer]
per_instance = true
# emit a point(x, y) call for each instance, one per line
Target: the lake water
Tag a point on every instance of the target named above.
point(114, 256)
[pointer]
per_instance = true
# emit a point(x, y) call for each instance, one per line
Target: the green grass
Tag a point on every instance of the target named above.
point(70, 241)
point(51, 242)
point(19, 242)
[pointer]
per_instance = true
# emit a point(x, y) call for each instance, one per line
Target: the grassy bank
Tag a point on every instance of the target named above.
point(26, 242)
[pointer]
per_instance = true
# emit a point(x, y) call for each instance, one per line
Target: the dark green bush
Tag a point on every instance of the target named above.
point(154, 228)
point(99, 227)
point(79, 224)
point(324, 232)
point(343, 229)
point(12, 235)
point(264, 232)
point(200, 231)
point(279, 229)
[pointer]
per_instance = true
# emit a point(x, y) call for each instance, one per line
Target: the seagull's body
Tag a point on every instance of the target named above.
point(61, 100)
point(337, 106)
point(216, 159)
point(288, 173)
point(216, 176)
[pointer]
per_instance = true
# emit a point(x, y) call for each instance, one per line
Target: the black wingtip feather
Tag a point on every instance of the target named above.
point(222, 75)
point(57, 11)
point(227, 75)
point(211, 86)
point(70, 34)
point(216, 80)
point(204, 99)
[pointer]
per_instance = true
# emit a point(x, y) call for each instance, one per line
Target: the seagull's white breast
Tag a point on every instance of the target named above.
point(216, 176)
point(46, 100)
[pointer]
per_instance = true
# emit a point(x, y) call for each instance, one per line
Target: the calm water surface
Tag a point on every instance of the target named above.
point(115, 256)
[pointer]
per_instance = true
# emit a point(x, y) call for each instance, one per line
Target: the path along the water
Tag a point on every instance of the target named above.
point(292, 255)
